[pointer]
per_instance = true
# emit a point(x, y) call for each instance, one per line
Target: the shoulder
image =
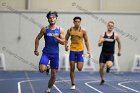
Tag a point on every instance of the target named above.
point(102, 34)
point(116, 35)
point(61, 30)
point(83, 30)
point(43, 29)
point(70, 29)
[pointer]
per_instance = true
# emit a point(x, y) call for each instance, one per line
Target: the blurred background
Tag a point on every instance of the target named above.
point(21, 21)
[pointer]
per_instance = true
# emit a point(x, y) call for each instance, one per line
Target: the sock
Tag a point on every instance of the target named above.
point(49, 90)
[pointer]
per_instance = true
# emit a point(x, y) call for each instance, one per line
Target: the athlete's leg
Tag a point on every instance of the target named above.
point(54, 65)
point(72, 59)
point(109, 63)
point(102, 73)
point(80, 66)
point(43, 63)
point(42, 68)
point(72, 71)
point(80, 60)
point(102, 61)
point(102, 70)
point(53, 78)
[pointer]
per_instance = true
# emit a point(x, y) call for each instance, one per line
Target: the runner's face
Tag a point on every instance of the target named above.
point(52, 20)
point(77, 23)
point(110, 26)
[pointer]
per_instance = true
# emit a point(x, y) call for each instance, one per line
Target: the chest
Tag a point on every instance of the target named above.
point(50, 33)
point(78, 34)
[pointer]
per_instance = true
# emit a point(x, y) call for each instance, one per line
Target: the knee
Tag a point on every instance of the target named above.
point(41, 70)
point(79, 69)
point(80, 66)
point(101, 68)
point(109, 65)
point(72, 70)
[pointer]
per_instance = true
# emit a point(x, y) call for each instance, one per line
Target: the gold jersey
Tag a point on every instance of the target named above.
point(76, 40)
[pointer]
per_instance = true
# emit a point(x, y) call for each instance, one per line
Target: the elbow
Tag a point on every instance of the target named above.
point(86, 41)
point(99, 44)
point(63, 42)
point(36, 39)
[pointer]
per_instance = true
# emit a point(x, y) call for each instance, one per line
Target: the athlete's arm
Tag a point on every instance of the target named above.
point(101, 40)
point(66, 40)
point(86, 41)
point(39, 36)
point(60, 39)
point(119, 44)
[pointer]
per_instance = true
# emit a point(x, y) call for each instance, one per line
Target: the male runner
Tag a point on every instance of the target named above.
point(53, 35)
point(77, 35)
point(107, 41)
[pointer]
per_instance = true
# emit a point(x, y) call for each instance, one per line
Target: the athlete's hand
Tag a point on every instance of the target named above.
point(102, 40)
point(89, 54)
point(66, 48)
point(119, 54)
point(56, 36)
point(36, 53)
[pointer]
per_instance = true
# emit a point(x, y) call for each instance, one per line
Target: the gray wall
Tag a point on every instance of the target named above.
point(67, 5)
point(19, 53)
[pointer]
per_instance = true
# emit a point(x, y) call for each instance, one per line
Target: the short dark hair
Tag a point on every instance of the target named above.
point(77, 17)
point(49, 13)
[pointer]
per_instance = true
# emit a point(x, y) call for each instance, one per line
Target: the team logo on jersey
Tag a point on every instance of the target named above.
point(49, 34)
point(52, 34)
point(109, 40)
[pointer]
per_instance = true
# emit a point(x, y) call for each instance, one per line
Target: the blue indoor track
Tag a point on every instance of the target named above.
point(86, 82)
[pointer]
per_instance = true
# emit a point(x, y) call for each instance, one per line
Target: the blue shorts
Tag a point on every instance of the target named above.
point(53, 58)
point(106, 57)
point(76, 56)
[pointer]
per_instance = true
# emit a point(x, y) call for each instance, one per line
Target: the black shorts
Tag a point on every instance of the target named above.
point(106, 57)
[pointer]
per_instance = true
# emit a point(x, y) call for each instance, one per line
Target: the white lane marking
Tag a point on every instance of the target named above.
point(87, 84)
point(30, 83)
point(121, 84)
point(117, 88)
point(65, 81)
point(19, 83)
point(57, 88)
point(19, 89)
